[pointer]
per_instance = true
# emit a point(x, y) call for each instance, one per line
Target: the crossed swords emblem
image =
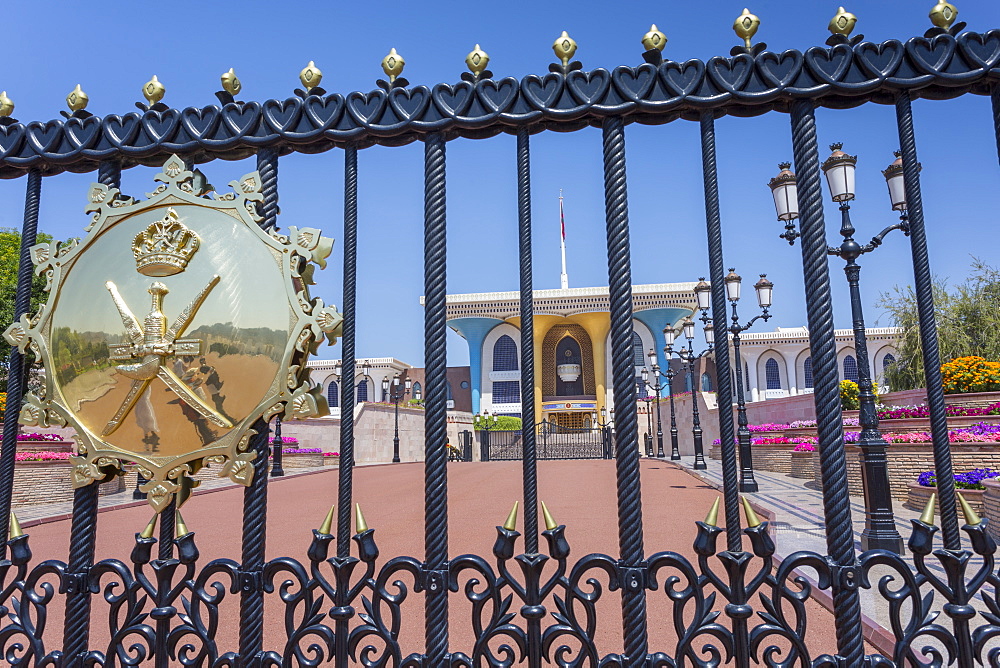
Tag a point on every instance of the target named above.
point(152, 343)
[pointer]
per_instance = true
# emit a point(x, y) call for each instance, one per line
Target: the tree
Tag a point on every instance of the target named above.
point(10, 252)
point(968, 322)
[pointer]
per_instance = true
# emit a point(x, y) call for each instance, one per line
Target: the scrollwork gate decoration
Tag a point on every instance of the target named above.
point(171, 327)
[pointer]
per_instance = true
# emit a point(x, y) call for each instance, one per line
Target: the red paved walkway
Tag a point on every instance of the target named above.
point(580, 494)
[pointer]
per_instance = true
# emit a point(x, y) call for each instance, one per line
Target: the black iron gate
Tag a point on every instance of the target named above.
point(166, 608)
point(551, 442)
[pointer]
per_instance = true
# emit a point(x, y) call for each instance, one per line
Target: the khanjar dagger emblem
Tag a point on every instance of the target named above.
point(171, 328)
point(153, 343)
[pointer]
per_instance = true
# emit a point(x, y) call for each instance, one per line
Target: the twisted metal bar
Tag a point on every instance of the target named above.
point(530, 469)
point(435, 414)
point(630, 538)
point(255, 496)
point(16, 372)
point(720, 320)
point(923, 288)
point(995, 96)
point(267, 166)
point(345, 488)
point(826, 392)
point(168, 517)
point(83, 531)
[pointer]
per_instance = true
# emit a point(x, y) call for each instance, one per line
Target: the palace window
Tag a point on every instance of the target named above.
point(637, 352)
point(772, 375)
point(332, 397)
point(706, 382)
point(362, 391)
point(807, 369)
point(505, 354)
point(887, 360)
point(851, 368)
point(507, 392)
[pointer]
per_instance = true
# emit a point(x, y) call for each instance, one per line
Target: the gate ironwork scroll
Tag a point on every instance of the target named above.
point(730, 605)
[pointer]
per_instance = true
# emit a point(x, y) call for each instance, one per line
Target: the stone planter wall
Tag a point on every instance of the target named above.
point(45, 446)
point(49, 482)
point(908, 460)
point(918, 496)
point(304, 460)
point(775, 458)
point(801, 465)
point(991, 507)
point(331, 461)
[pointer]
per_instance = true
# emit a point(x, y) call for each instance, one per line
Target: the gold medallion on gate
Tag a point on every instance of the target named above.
point(171, 327)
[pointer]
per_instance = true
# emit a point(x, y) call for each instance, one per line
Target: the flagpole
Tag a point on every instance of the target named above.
point(563, 278)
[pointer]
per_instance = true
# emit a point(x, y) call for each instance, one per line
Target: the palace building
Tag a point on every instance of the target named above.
point(572, 346)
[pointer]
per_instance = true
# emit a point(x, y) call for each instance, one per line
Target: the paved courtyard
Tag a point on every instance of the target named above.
point(580, 494)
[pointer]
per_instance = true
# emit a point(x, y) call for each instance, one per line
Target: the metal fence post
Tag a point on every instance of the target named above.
point(345, 476)
point(826, 392)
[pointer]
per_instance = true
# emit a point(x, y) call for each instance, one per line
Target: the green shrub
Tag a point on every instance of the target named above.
point(498, 423)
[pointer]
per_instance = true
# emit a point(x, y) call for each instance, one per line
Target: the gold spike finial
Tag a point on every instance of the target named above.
point(231, 83)
point(927, 517)
point(943, 14)
point(6, 105)
point(393, 65)
point(310, 76)
point(654, 39)
point(180, 528)
point(360, 526)
point(842, 22)
point(77, 100)
point(712, 518)
point(477, 60)
point(565, 48)
point(550, 523)
point(153, 91)
point(511, 523)
point(745, 26)
point(150, 527)
point(752, 519)
point(15, 530)
point(971, 517)
point(327, 526)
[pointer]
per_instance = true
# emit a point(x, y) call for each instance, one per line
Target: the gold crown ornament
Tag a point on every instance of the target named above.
point(165, 247)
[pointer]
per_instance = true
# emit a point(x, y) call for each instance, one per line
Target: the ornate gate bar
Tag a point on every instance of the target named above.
point(939, 67)
point(165, 611)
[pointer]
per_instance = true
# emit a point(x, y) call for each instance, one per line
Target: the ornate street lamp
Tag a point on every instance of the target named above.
point(649, 416)
point(880, 527)
point(395, 397)
point(763, 288)
point(658, 389)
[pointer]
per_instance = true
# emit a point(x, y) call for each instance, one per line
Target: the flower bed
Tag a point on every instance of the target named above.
point(331, 459)
point(43, 442)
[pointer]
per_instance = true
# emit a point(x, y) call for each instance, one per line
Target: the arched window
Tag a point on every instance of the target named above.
point(505, 354)
point(417, 393)
point(640, 388)
point(851, 368)
point(772, 375)
point(688, 381)
point(706, 382)
point(448, 389)
point(887, 360)
point(332, 397)
point(807, 370)
point(362, 391)
point(638, 353)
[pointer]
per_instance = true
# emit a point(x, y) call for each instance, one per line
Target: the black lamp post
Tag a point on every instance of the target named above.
point(690, 360)
point(763, 288)
point(396, 395)
point(277, 470)
point(137, 494)
point(658, 387)
point(649, 415)
point(880, 526)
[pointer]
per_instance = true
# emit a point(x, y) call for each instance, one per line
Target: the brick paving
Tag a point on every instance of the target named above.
point(580, 494)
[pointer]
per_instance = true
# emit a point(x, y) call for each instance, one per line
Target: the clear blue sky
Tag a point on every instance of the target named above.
point(114, 47)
